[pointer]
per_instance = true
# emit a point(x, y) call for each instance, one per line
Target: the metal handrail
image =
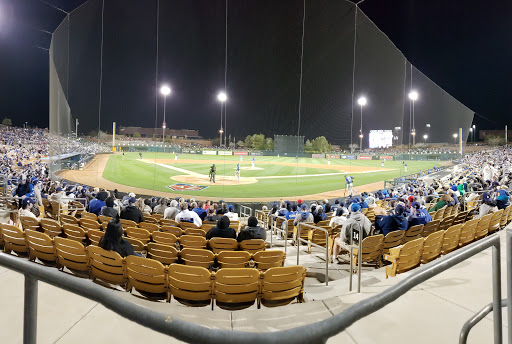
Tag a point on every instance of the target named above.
point(299, 239)
point(475, 319)
point(284, 231)
point(317, 332)
point(243, 212)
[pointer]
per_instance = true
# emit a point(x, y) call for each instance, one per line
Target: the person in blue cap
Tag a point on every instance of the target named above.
point(503, 199)
point(385, 224)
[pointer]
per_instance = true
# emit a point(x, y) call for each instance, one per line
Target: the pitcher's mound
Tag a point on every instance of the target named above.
point(219, 180)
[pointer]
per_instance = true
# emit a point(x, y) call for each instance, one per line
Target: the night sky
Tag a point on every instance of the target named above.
point(464, 48)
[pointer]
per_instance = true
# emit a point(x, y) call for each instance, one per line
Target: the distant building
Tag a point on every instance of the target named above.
point(157, 133)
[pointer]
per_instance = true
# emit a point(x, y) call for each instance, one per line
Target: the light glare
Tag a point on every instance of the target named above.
point(165, 90)
point(222, 97)
point(361, 101)
point(413, 95)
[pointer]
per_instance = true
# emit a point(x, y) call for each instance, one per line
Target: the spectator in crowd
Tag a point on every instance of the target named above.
point(186, 215)
point(305, 216)
point(108, 209)
point(198, 209)
point(222, 230)
point(503, 199)
point(131, 212)
point(418, 215)
point(172, 210)
point(98, 202)
point(113, 239)
point(160, 207)
point(231, 214)
point(319, 215)
point(26, 204)
point(488, 205)
point(388, 223)
point(445, 200)
point(356, 220)
point(339, 219)
point(252, 231)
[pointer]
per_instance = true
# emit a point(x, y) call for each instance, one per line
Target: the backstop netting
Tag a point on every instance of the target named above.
point(294, 68)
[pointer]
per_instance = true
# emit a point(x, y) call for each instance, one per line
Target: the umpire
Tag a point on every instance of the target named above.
point(213, 170)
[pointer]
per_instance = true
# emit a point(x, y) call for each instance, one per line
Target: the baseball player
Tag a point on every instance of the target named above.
point(405, 167)
point(241, 158)
point(329, 161)
point(349, 183)
point(140, 155)
point(253, 162)
point(237, 172)
point(123, 155)
point(382, 163)
point(213, 170)
point(175, 156)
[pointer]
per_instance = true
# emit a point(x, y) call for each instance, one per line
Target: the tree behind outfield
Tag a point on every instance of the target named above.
point(7, 121)
point(318, 145)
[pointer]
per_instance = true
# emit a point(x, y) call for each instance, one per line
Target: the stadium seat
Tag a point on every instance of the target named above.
point(74, 232)
point(392, 239)
point(165, 254)
point(318, 237)
point(150, 227)
point(504, 217)
point(138, 233)
point(185, 225)
point(222, 244)
point(138, 246)
point(482, 229)
point(51, 227)
point(197, 257)
point(235, 289)
point(460, 217)
point(194, 231)
point(233, 259)
point(446, 223)
point(107, 266)
point(150, 220)
point(494, 224)
point(432, 247)
point(207, 226)
point(69, 219)
point(451, 239)
point(165, 238)
point(372, 251)
point(71, 254)
point(94, 236)
point(413, 233)
point(29, 223)
point(171, 229)
point(253, 245)
point(89, 216)
point(190, 285)
point(168, 222)
point(265, 260)
point(40, 245)
point(149, 277)
point(14, 239)
point(103, 218)
point(192, 241)
point(280, 286)
point(431, 227)
point(128, 223)
point(404, 258)
point(468, 231)
point(87, 224)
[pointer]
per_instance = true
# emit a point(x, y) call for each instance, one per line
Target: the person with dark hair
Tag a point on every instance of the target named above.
point(293, 213)
point(445, 200)
point(113, 239)
point(319, 215)
point(503, 199)
point(252, 231)
point(222, 230)
point(488, 205)
point(108, 209)
point(131, 212)
point(388, 223)
point(211, 216)
point(98, 202)
point(418, 215)
point(198, 209)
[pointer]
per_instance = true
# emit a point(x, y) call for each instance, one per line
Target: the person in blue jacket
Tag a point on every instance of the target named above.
point(24, 189)
point(389, 223)
point(503, 200)
point(418, 217)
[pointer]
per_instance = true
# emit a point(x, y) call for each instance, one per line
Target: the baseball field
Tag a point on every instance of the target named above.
point(270, 178)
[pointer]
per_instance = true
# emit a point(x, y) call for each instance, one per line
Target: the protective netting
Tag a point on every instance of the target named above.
point(293, 68)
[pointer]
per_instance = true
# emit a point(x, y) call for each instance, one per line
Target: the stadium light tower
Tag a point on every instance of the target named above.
point(413, 96)
point(362, 102)
point(165, 90)
point(425, 137)
point(455, 138)
point(471, 134)
point(474, 133)
point(221, 97)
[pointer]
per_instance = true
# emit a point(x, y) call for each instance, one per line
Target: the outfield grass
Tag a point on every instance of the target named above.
point(133, 172)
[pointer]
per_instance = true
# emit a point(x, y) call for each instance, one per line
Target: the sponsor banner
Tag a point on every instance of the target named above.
point(386, 157)
point(257, 153)
point(333, 156)
point(241, 153)
point(209, 152)
point(225, 152)
point(364, 157)
point(351, 157)
point(186, 187)
point(318, 156)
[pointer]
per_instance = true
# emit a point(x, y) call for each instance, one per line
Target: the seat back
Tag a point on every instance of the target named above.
point(89, 224)
point(128, 223)
point(177, 231)
point(279, 286)
point(439, 214)
point(138, 233)
point(146, 275)
point(74, 232)
point(106, 265)
point(165, 254)
point(190, 283)
point(372, 248)
point(56, 209)
point(71, 254)
point(446, 223)
point(392, 239)
point(317, 236)
point(460, 217)
point(482, 229)
point(195, 231)
point(40, 245)
point(185, 225)
point(192, 241)
point(76, 206)
point(14, 239)
point(151, 220)
point(197, 257)
point(165, 238)
point(430, 227)
point(451, 238)
point(150, 227)
point(207, 226)
point(103, 218)
point(94, 236)
point(69, 219)
point(413, 233)
point(432, 247)
point(222, 244)
point(410, 255)
point(494, 224)
point(29, 223)
point(269, 259)
point(89, 216)
point(253, 245)
point(51, 227)
point(504, 217)
point(235, 289)
point(168, 222)
point(468, 231)
point(233, 259)
point(138, 246)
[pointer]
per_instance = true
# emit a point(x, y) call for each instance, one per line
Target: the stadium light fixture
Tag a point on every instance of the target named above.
point(361, 101)
point(428, 125)
point(413, 95)
point(165, 90)
point(425, 137)
point(455, 138)
point(222, 97)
